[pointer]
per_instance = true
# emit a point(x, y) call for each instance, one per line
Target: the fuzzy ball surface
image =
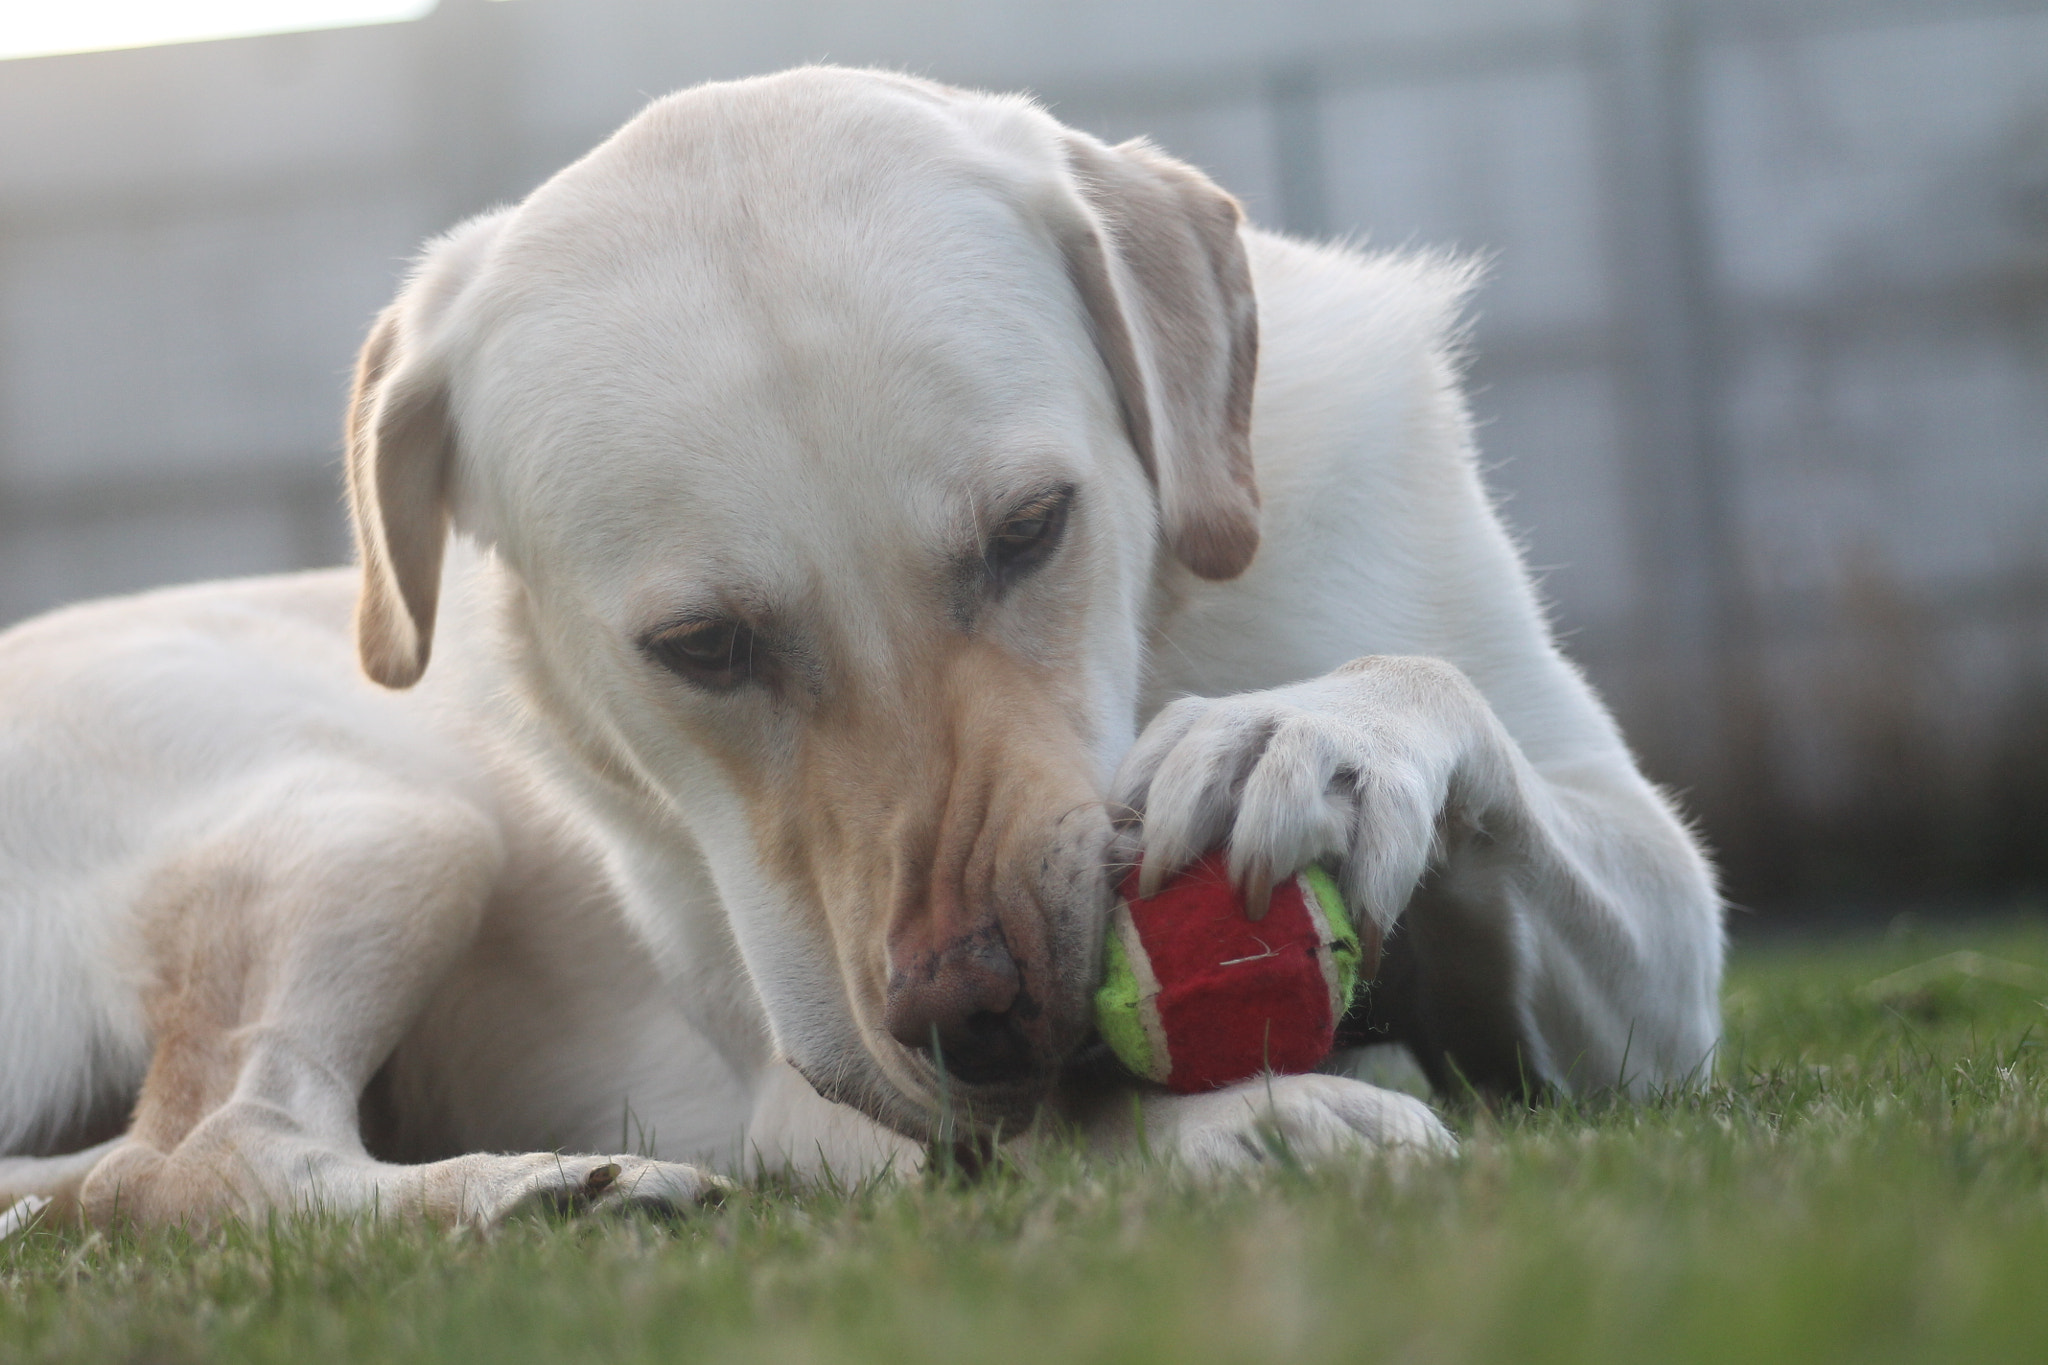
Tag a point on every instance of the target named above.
point(1196, 994)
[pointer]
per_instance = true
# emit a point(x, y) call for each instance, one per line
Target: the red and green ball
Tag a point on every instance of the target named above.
point(1196, 994)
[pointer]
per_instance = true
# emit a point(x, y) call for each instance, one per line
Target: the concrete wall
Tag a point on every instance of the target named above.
point(1763, 363)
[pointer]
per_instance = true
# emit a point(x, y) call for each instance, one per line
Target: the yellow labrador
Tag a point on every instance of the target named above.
point(846, 516)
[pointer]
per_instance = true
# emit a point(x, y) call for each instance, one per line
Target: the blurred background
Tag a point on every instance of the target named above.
point(1762, 365)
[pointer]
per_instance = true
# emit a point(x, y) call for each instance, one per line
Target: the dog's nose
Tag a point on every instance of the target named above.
point(965, 1004)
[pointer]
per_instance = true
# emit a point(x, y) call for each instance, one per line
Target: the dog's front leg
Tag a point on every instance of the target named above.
point(289, 952)
point(1550, 927)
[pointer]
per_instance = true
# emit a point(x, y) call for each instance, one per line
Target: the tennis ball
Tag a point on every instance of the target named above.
point(1196, 994)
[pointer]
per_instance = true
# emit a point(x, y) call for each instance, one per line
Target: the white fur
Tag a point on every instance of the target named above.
point(541, 898)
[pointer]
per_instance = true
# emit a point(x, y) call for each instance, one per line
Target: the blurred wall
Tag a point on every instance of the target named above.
point(1763, 363)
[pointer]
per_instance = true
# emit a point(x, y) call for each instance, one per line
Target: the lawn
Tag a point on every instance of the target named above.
point(1866, 1180)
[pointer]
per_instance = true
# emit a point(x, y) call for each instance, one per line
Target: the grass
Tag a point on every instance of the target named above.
point(1866, 1180)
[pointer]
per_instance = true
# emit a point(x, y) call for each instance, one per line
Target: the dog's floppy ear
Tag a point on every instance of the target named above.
point(400, 443)
point(398, 450)
point(1162, 271)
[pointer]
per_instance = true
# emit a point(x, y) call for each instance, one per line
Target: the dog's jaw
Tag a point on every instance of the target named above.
point(920, 1101)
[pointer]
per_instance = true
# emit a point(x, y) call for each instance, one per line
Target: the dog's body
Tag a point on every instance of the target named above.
point(857, 468)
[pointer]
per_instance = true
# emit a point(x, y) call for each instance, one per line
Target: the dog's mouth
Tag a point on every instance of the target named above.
point(1000, 1087)
point(928, 1095)
point(912, 1094)
point(990, 1108)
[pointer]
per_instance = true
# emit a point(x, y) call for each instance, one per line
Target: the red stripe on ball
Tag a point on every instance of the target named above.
point(1236, 996)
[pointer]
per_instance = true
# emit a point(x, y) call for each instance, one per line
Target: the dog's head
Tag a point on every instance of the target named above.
point(834, 430)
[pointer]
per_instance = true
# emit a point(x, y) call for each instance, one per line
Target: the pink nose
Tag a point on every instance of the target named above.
point(965, 1004)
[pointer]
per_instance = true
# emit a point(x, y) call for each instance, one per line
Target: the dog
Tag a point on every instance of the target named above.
point(849, 518)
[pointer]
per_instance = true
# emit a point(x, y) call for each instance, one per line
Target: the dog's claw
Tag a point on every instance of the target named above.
point(1258, 890)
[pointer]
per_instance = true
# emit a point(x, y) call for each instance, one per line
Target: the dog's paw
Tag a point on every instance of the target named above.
point(1355, 768)
point(1308, 1120)
point(663, 1188)
point(559, 1185)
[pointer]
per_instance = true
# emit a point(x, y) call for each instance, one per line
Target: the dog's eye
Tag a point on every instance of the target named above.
point(1028, 535)
point(716, 653)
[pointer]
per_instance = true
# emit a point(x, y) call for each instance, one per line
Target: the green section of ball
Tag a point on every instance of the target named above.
point(1119, 1013)
point(1338, 931)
